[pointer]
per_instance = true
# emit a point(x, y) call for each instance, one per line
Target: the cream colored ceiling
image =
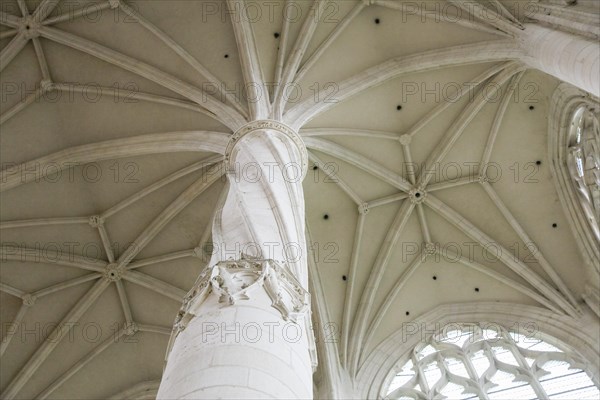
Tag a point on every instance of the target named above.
point(49, 125)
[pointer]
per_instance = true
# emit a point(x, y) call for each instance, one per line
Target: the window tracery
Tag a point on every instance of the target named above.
point(479, 361)
point(583, 161)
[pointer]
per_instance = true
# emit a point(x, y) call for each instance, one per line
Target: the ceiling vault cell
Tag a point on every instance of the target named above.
point(398, 285)
point(339, 181)
point(335, 33)
point(505, 256)
point(459, 125)
point(359, 161)
point(185, 55)
point(81, 363)
point(368, 295)
point(184, 199)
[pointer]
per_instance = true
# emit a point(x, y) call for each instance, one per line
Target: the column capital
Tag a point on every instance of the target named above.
point(232, 281)
point(272, 125)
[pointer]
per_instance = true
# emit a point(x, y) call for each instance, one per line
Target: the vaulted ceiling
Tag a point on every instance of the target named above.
point(113, 111)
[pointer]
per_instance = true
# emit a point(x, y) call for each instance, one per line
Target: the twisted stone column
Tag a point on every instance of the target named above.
point(244, 329)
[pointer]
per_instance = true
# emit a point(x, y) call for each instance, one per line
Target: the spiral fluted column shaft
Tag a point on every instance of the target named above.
point(244, 329)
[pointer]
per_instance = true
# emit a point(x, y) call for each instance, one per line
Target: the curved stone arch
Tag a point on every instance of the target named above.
point(154, 143)
point(566, 100)
point(506, 51)
point(376, 372)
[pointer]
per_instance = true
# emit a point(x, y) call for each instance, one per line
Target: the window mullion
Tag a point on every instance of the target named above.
point(421, 375)
point(473, 373)
point(535, 383)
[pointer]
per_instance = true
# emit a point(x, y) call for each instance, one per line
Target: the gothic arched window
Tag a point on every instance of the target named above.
point(583, 160)
point(486, 361)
